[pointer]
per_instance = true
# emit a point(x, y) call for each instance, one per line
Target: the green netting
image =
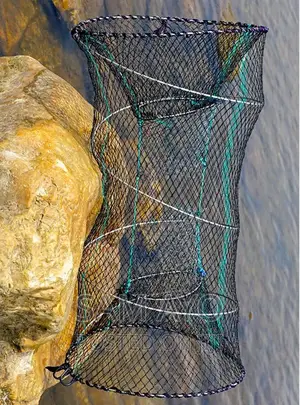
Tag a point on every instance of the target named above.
point(175, 103)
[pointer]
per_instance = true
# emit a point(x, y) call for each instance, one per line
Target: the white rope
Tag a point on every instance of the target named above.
point(141, 192)
point(179, 297)
point(89, 324)
point(178, 87)
point(174, 208)
point(95, 129)
point(161, 274)
point(142, 105)
point(130, 226)
point(175, 312)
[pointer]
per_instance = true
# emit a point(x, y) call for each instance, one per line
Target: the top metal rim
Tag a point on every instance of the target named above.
point(227, 27)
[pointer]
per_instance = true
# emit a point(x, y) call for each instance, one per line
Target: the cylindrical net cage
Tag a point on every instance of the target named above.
point(175, 102)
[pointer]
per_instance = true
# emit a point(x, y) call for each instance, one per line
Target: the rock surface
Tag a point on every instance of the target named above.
point(74, 11)
point(35, 28)
point(50, 193)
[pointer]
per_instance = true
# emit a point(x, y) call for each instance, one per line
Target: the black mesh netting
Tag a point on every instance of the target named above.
point(175, 102)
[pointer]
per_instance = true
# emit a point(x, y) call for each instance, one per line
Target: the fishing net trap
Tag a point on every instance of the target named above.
point(175, 103)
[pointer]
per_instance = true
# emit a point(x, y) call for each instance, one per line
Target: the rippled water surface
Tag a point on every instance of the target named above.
point(267, 265)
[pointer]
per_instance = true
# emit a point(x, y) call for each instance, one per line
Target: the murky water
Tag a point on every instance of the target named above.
point(267, 265)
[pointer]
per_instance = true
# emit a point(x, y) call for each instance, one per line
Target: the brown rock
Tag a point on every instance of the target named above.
point(33, 27)
point(9, 37)
point(225, 44)
point(74, 11)
point(50, 192)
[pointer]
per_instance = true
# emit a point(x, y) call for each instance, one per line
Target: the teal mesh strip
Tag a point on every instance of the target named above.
point(226, 186)
point(164, 123)
point(214, 340)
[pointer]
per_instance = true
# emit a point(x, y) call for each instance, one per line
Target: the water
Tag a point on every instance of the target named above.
point(267, 265)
